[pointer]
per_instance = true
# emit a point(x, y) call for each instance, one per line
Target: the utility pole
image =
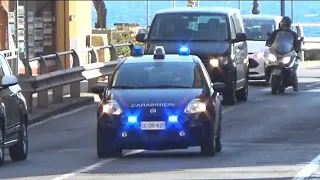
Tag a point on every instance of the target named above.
point(255, 7)
point(283, 8)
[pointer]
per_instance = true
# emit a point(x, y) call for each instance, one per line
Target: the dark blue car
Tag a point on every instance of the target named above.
point(159, 102)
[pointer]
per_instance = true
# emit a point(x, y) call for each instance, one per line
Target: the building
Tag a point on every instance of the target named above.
point(44, 27)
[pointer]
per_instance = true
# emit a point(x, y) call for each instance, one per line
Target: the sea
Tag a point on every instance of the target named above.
point(136, 11)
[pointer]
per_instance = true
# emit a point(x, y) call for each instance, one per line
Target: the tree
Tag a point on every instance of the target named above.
point(101, 10)
point(255, 7)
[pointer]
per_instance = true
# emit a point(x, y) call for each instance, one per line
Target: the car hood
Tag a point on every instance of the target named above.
point(202, 49)
point(160, 99)
point(256, 46)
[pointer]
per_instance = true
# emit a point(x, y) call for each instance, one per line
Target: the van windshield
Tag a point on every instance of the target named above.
point(189, 26)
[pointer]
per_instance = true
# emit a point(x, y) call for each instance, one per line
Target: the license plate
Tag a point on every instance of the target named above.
point(155, 125)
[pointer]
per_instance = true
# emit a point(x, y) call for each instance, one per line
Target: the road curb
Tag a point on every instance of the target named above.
point(63, 109)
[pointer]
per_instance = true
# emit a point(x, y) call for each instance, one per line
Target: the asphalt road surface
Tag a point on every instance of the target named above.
point(269, 137)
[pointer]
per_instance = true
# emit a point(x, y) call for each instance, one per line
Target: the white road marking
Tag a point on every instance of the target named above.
point(61, 115)
point(314, 84)
point(307, 171)
point(93, 166)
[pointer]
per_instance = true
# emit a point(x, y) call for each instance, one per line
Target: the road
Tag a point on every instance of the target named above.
point(269, 137)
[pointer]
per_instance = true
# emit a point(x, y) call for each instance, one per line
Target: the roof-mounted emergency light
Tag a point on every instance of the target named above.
point(159, 52)
point(137, 51)
point(184, 50)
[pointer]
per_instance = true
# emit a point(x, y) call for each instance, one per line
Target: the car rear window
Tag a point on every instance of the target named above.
point(257, 30)
point(190, 26)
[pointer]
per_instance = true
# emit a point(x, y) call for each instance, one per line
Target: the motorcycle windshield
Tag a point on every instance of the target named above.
point(283, 43)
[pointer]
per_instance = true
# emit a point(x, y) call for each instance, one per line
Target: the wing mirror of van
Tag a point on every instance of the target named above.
point(269, 33)
point(240, 37)
point(141, 36)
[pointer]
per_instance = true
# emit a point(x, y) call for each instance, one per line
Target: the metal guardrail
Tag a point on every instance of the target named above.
point(72, 76)
point(309, 43)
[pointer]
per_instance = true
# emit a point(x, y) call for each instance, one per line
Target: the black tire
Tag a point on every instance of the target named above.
point(19, 151)
point(1, 147)
point(282, 90)
point(229, 95)
point(274, 90)
point(208, 146)
point(218, 137)
point(103, 146)
point(242, 94)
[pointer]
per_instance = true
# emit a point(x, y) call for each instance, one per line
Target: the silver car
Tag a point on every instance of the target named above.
point(257, 28)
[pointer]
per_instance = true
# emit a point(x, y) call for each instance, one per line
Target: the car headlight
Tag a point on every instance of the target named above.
point(195, 106)
point(219, 60)
point(272, 58)
point(112, 107)
point(286, 60)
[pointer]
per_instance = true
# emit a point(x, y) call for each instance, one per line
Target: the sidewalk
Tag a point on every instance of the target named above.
point(39, 114)
point(310, 64)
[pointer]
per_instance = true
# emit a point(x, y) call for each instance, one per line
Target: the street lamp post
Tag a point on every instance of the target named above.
point(283, 8)
point(255, 7)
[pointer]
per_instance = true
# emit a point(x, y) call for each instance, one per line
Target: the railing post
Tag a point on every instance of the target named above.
point(113, 53)
point(23, 79)
point(94, 59)
point(75, 87)
point(57, 92)
point(43, 99)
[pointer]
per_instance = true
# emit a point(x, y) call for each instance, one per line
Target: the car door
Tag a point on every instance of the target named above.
point(236, 48)
point(9, 97)
point(240, 48)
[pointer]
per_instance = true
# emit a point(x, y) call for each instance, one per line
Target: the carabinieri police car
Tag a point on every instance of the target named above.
point(159, 102)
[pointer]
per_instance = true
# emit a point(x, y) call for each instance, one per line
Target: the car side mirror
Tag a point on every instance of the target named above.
point(240, 37)
point(269, 33)
point(218, 86)
point(141, 36)
point(8, 80)
point(98, 89)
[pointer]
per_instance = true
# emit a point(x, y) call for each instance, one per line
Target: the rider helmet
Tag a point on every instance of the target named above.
point(285, 23)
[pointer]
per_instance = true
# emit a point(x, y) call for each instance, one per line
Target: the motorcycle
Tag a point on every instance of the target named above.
point(281, 62)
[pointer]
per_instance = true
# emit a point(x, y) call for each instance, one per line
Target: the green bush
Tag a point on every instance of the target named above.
point(121, 37)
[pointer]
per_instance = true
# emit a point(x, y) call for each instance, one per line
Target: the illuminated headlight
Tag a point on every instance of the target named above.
point(112, 107)
point(220, 60)
point(286, 60)
point(272, 58)
point(195, 106)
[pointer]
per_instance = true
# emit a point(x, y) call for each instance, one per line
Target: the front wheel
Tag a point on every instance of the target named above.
point(19, 151)
point(1, 147)
point(208, 146)
point(242, 94)
point(104, 149)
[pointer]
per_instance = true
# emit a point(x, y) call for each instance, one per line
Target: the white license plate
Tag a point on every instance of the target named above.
point(155, 125)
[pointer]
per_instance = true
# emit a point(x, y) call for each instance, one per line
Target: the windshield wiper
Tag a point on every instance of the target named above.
point(167, 86)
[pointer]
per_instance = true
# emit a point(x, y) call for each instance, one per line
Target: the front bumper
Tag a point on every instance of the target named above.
point(188, 131)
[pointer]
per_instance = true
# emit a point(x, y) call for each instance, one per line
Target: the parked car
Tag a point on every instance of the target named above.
point(257, 28)
point(13, 115)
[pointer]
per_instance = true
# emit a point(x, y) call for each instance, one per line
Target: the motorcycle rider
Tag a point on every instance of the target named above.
point(285, 25)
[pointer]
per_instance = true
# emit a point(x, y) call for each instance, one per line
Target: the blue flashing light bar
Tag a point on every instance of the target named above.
point(184, 50)
point(137, 51)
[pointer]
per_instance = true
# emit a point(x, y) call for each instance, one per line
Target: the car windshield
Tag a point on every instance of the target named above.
point(189, 26)
point(158, 75)
point(257, 30)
